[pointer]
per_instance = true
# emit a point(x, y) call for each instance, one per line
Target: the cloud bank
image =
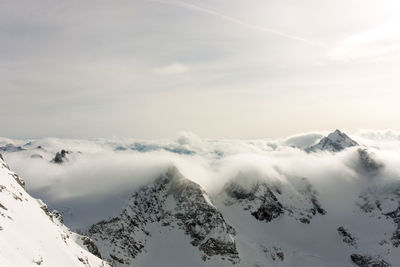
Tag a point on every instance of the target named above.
point(99, 175)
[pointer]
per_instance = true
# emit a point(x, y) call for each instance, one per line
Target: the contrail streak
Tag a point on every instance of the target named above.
point(237, 21)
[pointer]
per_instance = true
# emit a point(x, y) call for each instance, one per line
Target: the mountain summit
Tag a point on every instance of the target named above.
point(334, 142)
point(173, 205)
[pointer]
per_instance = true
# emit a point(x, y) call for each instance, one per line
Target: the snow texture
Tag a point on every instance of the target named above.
point(197, 202)
point(30, 235)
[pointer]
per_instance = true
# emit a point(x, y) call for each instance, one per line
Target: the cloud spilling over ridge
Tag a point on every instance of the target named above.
point(100, 175)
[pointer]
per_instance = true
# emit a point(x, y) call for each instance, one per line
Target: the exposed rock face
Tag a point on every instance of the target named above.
point(57, 216)
point(19, 180)
point(347, 237)
point(334, 142)
point(267, 202)
point(275, 253)
point(395, 215)
point(368, 261)
point(60, 157)
point(81, 240)
point(368, 164)
point(171, 201)
point(384, 203)
point(90, 245)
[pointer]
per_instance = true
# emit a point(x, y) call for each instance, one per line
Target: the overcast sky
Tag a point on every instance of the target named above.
point(221, 69)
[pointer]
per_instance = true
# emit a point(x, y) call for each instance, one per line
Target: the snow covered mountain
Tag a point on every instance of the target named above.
point(253, 203)
point(267, 201)
point(174, 222)
point(172, 204)
point(334, 142)
point(31, 235)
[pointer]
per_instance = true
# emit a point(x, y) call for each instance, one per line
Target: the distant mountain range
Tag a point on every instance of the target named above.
point(252, 221)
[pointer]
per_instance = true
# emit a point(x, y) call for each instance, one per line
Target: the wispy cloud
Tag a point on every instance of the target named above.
point(174, 68)
point(374, 44)
point(240, 22)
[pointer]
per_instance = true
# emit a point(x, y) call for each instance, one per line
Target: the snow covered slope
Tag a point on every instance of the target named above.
point(30, 235)
point(229, 203)
point(171, 204)
point(254, 222)
point(268, 201)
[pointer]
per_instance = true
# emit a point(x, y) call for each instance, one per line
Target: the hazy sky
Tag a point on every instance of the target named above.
point(151, 68)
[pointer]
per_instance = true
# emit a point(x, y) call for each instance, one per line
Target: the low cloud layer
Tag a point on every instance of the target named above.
point(99, 175)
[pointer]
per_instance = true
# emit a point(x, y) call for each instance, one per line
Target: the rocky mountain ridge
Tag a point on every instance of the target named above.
point(172, 202)
point(254, 219)
point(266, 202)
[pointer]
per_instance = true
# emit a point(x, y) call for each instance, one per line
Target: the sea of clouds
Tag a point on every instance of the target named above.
point(100, 175)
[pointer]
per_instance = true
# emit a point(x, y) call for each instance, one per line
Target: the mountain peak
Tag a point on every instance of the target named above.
point(334, 142)
point(337, 135)
point(170, 203)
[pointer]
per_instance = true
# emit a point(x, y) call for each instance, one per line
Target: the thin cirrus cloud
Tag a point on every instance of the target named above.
point(171, 69)
point(240, 22)
point(377, 43)
point(238, 69)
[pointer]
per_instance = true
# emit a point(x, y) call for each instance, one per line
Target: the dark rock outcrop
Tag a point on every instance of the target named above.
point(19, 180)
point(275, 253)
point(374, 199)
point(369, 261)
point(91, 246)
point(268, 201)
point(347, 237)
point(395, 215)
point(60, 157)
point(172, 202)
point(367, 163)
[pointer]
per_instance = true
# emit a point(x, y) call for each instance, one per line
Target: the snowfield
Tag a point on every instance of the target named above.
point(30, 235)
